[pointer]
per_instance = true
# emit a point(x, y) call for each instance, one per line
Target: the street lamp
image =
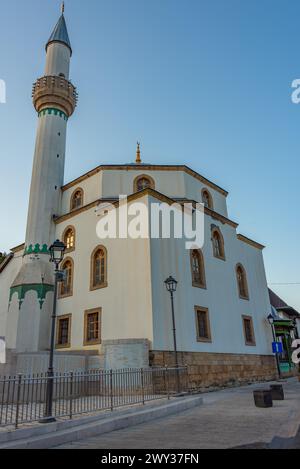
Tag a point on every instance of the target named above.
point(171, 286)
point(296, 328)
point(57, 251)
point(271, 322)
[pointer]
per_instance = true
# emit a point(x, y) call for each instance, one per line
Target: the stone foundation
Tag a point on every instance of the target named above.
point(213, 370)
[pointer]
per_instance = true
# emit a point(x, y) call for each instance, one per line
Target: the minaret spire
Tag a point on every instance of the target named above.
point(60, 32)
point(138, 154)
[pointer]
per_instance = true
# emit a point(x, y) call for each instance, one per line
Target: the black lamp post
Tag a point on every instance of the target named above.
point(295, 328)
point(171, 285)
point(57, 251)
point(271, 322)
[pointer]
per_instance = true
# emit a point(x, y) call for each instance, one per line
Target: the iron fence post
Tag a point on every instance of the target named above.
point(186, 378)
point(19, 383)
point(71, 394)
point(111, 391)
point(167, 381)
point(143, 385)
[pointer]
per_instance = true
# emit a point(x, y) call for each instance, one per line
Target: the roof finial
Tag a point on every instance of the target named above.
point(62, 8)
point(138, 153)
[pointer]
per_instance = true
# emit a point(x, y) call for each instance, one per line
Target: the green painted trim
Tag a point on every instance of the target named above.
point(287, 323)
point(36, 249)
point(54, 112)
point(41, 290)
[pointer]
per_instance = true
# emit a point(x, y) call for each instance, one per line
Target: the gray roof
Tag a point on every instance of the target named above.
point(60, 33)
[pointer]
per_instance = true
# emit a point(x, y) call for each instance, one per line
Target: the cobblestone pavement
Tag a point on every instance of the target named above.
point(227, 419)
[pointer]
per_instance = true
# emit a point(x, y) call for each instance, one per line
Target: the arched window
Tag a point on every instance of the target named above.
point(218, 243)
point(66, 286)
point(143, 182)
point(198, 270)
point(99, 268)
point(69, 238)
point(241, 277)
point(77, 199)
point(207, 199)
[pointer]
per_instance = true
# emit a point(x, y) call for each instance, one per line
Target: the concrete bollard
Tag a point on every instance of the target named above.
point(277, 392)
point(263, 398)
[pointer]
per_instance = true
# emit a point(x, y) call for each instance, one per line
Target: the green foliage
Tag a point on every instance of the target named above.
point(2, 256)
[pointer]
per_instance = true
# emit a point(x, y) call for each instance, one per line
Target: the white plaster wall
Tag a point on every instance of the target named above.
point(193, 190)
point(112, 183)
point(47, 179)
point(58, 60)
point(38, 363)
point(221, 296)
point(6, 279)
point(92, 189)
point(28, 327)
point(170, 183)
point(126, 303)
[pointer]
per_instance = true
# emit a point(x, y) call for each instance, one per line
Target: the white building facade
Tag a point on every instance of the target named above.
point(113, 306)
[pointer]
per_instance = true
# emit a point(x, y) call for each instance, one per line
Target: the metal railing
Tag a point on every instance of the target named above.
point(23, 398)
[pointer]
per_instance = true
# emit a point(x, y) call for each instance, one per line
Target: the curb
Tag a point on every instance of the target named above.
point(288, 433)
point(61, 433)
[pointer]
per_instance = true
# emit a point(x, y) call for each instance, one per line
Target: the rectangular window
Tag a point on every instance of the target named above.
point(92, 327)
point(202, 324)
point(63, 331)
point(249, 330)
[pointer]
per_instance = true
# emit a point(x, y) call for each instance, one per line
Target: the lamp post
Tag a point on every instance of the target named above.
point(57, 251)
point(296, 328)
point(271, 322)
point(171, 285)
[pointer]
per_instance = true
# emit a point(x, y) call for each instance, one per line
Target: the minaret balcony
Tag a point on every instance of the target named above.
point(54, 92)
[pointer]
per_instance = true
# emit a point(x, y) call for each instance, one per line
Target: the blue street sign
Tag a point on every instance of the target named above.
point(277, 347)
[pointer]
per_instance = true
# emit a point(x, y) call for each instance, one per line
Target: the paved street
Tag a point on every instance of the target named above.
point(227, 419)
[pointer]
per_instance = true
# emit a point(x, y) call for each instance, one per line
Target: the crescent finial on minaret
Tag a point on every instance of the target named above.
point(60, 32)
point(138, 153)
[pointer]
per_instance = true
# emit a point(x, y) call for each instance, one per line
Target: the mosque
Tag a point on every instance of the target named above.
point(113, 307)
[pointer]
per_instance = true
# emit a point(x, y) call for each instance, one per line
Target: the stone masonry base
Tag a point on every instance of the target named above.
point(212, 370)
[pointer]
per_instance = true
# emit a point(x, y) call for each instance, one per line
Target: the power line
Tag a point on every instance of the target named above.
point(291, 283)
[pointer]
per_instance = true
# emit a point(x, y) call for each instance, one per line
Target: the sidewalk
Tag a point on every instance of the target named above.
point(227, 419)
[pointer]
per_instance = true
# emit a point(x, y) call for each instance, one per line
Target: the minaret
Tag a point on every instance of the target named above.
point(54, 98)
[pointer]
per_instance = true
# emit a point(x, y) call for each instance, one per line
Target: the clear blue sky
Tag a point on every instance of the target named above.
point(201, 82)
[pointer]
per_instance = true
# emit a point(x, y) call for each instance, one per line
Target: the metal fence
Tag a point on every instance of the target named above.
point(23, 398)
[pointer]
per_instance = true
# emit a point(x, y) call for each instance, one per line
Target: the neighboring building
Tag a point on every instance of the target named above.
point(287, 327)
point(113, 306)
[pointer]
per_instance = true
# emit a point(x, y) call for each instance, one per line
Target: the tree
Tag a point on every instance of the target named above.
point(2, 256)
